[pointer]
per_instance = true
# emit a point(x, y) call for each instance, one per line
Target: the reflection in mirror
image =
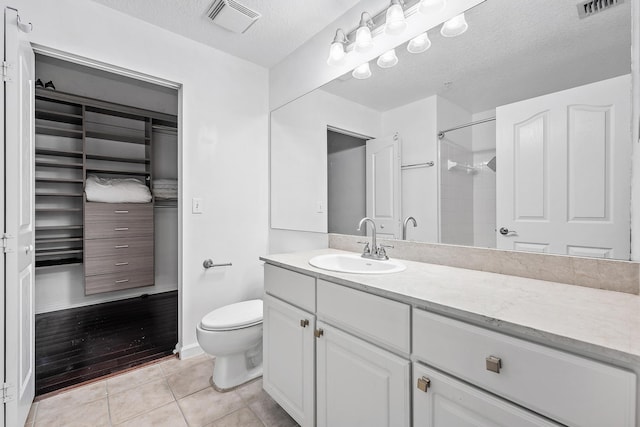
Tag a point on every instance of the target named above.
point(514, 135)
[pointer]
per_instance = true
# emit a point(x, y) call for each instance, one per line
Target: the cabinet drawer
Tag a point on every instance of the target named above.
point(567, 388)
point(140, 246)
point(119, 281)
point(94, 211)
point(296, 288)
point(116, 264)
point(118, 229)
point(376, 318)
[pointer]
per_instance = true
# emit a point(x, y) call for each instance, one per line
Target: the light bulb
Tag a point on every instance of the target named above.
point(362, 71)
point(431, 6)
point(419, 44)
point(364, 42)
point(395, 23)
point(388, 59)
point(454, 26)
point(336, 51)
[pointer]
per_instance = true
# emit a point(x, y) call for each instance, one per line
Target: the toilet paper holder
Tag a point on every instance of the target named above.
point(208, 263)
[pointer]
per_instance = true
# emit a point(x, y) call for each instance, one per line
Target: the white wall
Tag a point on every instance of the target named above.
point(223, 158)
point(299, 156)
point(416, 124)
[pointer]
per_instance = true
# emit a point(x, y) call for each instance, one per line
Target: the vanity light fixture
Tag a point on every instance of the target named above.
point(336, 51)
point(431, 6)
point(364, 42)
point(419, 43)
point(395, 20)
point(454, 26)
point(388, 59)
point(362, 71)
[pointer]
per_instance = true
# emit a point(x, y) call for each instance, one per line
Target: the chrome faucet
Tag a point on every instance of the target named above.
point(404, 226)
point(373, 251)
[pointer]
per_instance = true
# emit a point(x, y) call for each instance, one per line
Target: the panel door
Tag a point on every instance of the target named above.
point(563, 180)
point(288, 359)
point(19, 217)
point(359, 384)
point(448, 402)
point(383, 185)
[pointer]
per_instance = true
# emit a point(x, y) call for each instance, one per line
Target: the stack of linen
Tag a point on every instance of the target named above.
point(165, 189)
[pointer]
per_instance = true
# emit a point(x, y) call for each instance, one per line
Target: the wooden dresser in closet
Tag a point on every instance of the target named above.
point(118, 246)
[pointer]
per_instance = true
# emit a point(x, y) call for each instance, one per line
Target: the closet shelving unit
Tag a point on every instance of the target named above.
point(78, 136)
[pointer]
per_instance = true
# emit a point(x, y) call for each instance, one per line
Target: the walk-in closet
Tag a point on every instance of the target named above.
point(106, 215)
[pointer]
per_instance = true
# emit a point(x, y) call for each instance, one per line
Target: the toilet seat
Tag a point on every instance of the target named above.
point(234, 316)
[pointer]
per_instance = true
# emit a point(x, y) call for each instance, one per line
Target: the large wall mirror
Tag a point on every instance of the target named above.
point(514, 135)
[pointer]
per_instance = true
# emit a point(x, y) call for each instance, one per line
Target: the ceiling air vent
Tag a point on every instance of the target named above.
point(591, 7)
point(232, 15)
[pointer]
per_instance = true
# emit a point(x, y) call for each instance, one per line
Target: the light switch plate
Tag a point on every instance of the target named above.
point(197, 205)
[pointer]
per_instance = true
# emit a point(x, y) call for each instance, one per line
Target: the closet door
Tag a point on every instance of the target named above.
point(19, 195)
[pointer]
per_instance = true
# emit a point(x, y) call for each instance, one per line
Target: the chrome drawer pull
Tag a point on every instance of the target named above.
point(304, 323)
point(494, 364)
point(121, 246)
point(122, 281)
point(121, 212)
point(121, 263)
point(121, 229)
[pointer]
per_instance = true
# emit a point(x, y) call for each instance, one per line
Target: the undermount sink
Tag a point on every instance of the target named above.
point(353, 263)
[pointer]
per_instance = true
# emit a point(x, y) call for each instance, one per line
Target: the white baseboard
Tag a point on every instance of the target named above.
point(190, 350)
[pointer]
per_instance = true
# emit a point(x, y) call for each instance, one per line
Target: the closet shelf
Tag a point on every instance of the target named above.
point(118, 138)
point(58, 116)
point(45, 194)
point(61, 180)
point(117, 159)
point(59, 227)
point(45, 263)
point(54, 131)
point(118, 172)
point(60, 153)
point(60, 251)
point(58, 209)
point(51, 164)
point(59, 240)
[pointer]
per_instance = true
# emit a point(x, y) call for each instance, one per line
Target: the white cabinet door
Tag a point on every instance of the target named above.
point(289, 358)
point(448, 402)
point(359, 384)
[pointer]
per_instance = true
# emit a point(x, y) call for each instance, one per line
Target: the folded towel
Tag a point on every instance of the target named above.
point(116, 190)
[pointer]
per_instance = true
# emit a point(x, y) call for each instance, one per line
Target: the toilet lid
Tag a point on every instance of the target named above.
point(238, 315)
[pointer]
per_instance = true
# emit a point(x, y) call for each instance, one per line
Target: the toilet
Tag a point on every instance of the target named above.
point(233, 334)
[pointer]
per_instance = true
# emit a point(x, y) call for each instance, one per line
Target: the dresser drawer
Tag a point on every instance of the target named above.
point(140, 246)
point(96, 212)
point(119, 281)
point(373, 317)
point(295, 288)
point(118, 229)
point(570, 389)
point(116, 264)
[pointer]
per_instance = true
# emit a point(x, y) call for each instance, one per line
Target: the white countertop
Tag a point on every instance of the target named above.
point(595, 322)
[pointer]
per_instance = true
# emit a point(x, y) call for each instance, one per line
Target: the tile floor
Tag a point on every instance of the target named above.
point(172, 393)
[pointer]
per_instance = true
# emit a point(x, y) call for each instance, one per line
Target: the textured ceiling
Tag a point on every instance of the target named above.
point(284, 26)
point(513, 50)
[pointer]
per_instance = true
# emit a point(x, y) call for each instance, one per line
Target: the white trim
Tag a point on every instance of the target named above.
point(635, 123)
point(87, 62)
point(348, 133)
point(189, 351)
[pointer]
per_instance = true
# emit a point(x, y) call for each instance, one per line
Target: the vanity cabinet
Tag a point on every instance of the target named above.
point(289, 343)
point(442, 401)
point(359, 384)
point(567, 388)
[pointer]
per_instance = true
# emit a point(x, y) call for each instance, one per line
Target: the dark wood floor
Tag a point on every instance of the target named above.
point(80, 344)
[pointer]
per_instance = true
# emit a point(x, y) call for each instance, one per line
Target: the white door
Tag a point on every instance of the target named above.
point(19, 218)
point(441, 401)
point(563, 176)
point(288, 359)
point(384, 185)
point(359, 384)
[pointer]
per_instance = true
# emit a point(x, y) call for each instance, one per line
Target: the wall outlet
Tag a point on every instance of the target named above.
point(197, 205)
